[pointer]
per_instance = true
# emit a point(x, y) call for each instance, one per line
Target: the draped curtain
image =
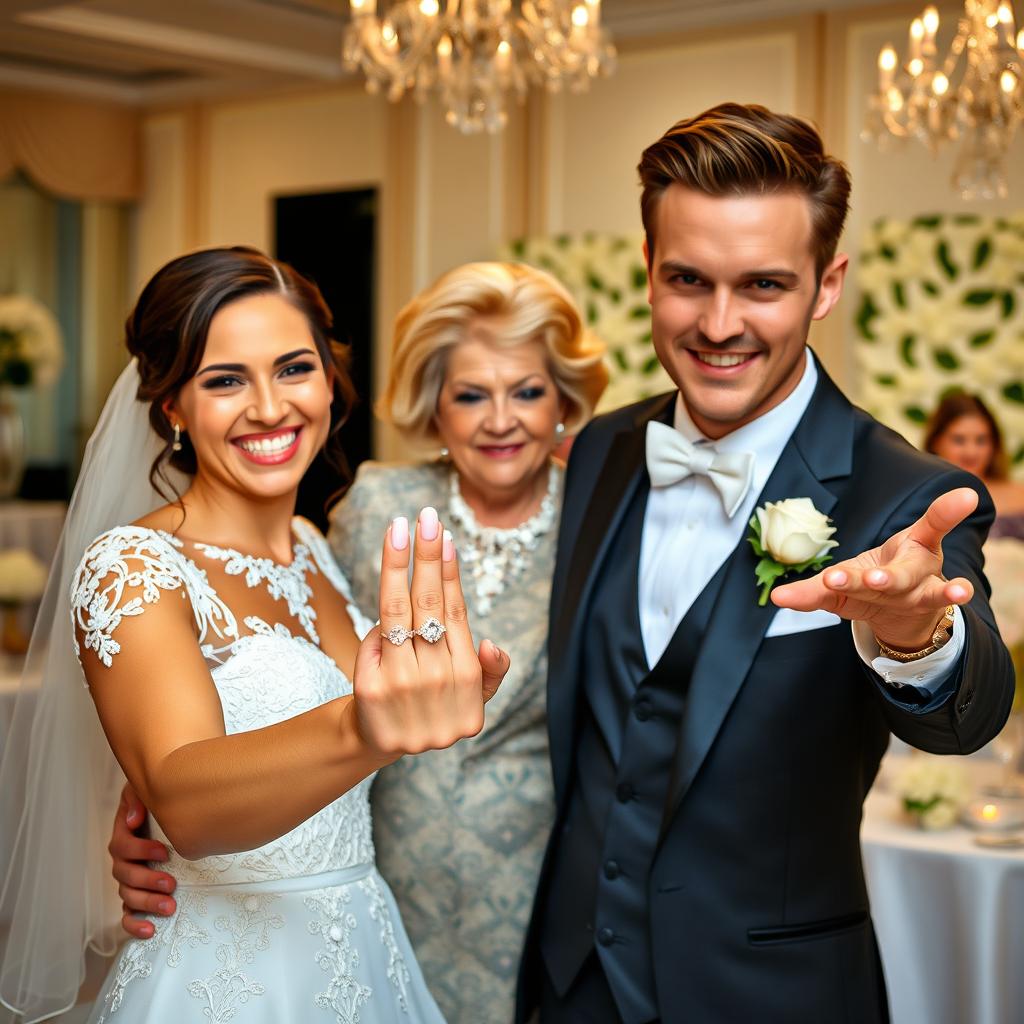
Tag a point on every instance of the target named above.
point(72, 148)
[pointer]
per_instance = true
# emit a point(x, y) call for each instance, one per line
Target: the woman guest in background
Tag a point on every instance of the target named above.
point(492, 364)
point(962, 430)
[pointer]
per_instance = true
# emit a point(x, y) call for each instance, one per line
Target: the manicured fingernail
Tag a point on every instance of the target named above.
point(447, 547)
point(958, 594)
point(837, 579)
point(132, 817)
point(428, 523)
point(877, 577)
point(399, 533)
point(164, 885)
point(165, 907)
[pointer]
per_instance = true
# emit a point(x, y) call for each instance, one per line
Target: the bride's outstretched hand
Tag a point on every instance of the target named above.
point(419, 683)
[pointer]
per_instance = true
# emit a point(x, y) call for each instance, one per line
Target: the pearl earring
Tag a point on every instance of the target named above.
point(559, 430)
point(444, 453)
point(176, 447)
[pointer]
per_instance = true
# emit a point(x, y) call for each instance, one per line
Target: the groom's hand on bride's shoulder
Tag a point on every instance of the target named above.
point(142, 889)
point(898, 587)
point(419, 684)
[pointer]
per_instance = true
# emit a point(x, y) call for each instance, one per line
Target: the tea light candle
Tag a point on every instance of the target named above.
point(994, 815)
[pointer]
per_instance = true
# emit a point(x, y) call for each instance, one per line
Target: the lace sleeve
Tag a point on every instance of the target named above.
point(309, 535)
point(122, 572)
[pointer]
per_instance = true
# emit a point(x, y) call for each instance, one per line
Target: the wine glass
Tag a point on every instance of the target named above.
point(1007, 747)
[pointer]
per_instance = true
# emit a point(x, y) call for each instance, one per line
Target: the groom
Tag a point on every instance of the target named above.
point(711, 753)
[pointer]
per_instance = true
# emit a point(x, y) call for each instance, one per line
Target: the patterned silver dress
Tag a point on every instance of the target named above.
point(460, 833)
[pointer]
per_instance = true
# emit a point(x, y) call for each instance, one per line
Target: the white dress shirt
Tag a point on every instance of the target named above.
point(687, 536)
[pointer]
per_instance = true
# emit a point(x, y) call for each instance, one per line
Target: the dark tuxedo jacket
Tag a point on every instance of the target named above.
point(757, 902)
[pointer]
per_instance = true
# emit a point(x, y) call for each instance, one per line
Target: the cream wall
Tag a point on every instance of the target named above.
point(565, 163)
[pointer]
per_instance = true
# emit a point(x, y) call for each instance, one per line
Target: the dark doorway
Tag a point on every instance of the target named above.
point(330, 237)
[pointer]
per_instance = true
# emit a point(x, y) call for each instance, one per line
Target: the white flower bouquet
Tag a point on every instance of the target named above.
point(22, 577)
point(31, 353)
point(933, 789)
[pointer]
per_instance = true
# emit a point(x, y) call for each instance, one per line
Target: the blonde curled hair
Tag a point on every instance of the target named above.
point(530, 305)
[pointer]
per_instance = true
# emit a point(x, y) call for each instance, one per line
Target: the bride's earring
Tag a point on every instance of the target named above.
point(559, 431)
point(444, 453)
point(176, 447)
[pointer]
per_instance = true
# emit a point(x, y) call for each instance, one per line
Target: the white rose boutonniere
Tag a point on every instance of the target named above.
point(789, 536)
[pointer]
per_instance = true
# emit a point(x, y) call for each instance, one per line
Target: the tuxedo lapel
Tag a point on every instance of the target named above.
point(615, 487)
point(818, 451)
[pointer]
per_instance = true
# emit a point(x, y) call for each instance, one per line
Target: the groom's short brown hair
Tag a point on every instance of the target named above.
point(737, 149)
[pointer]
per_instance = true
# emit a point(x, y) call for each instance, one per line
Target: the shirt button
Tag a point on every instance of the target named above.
point(611, 869)
point(642, 710)
point(624, 791)
point(606, 936)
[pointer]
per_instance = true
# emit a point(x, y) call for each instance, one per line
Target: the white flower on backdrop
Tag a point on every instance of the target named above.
point(942, 308)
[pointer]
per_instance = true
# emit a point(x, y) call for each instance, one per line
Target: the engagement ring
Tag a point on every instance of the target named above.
point(432, 630)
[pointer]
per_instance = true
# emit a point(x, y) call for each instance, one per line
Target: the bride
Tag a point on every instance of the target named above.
point(245, 698)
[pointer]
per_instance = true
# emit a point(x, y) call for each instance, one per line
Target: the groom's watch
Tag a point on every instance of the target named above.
point(941, 634)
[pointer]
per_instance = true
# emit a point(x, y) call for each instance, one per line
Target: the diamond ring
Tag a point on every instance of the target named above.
point(432, 630)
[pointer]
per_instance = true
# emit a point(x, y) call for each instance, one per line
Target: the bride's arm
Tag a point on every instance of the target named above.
point(213, 793)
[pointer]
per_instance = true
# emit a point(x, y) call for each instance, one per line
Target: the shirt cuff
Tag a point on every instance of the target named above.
point(927, 673)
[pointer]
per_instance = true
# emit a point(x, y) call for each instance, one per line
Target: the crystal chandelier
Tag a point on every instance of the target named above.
point(974, 94)
point(476, 52)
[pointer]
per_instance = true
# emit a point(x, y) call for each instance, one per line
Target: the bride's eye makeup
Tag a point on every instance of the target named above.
point(222, 382)
point(298, 369)
point(468, 397)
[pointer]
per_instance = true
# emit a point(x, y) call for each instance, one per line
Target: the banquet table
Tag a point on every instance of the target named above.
point(948, 913)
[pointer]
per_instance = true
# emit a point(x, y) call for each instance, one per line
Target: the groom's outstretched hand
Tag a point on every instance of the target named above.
point(897, 588)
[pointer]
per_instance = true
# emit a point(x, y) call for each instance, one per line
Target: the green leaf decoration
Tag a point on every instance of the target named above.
point(928, 222)
point(650, 366)
point(979, 297)
point(640, 313)
point(945, 260)
point(966, 219)
point(592, 314)
point(887, 252)
point(916, 414)
point(639, 276)
point(946, 359)
point(930, 287)
point(982, 251)
point(563, 241)
point(887, 380)
point(1018, 456)
point(620, 358)
point(1014, 392)
point(594, 282)
point(899, 295)
point(981, 339)
point(519, 248)
point(907, 350)
point(646, 338)
point(615, 295)
point(867, 312)
point(1009, 304)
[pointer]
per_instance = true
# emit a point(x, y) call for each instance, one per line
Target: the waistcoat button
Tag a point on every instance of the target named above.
point(606, 936)
point(624, 791)
point(611, 869)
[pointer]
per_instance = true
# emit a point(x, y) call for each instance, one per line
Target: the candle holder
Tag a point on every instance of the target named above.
point(994, 814)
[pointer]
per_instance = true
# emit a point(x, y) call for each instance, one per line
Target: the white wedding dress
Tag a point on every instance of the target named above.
point(302, 929)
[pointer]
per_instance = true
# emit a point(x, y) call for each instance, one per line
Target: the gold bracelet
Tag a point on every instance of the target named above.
point(940, 636)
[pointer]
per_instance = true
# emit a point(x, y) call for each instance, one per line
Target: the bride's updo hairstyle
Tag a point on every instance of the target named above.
point(167, 329)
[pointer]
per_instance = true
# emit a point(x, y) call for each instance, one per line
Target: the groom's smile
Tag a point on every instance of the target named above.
point(733, 290)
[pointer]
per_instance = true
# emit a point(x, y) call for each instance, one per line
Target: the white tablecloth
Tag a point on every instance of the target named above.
point(949, 916)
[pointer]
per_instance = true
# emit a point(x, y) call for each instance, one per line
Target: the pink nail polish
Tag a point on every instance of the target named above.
point(428, 523)
point(165, 907)
point(447, 547)
point(400, 533)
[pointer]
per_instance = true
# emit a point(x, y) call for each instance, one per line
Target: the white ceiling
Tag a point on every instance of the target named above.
point(152, 52)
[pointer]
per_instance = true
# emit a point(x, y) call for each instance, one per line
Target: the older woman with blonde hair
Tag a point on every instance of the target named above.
point(490, 365)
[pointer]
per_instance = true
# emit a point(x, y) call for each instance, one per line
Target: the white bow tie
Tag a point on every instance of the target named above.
point(671, 458)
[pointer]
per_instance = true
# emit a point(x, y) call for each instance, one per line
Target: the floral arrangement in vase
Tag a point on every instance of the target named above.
point(606, 276)
point(941, 308)
point(22, 580)
point(31, 355)
point(934, 790)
